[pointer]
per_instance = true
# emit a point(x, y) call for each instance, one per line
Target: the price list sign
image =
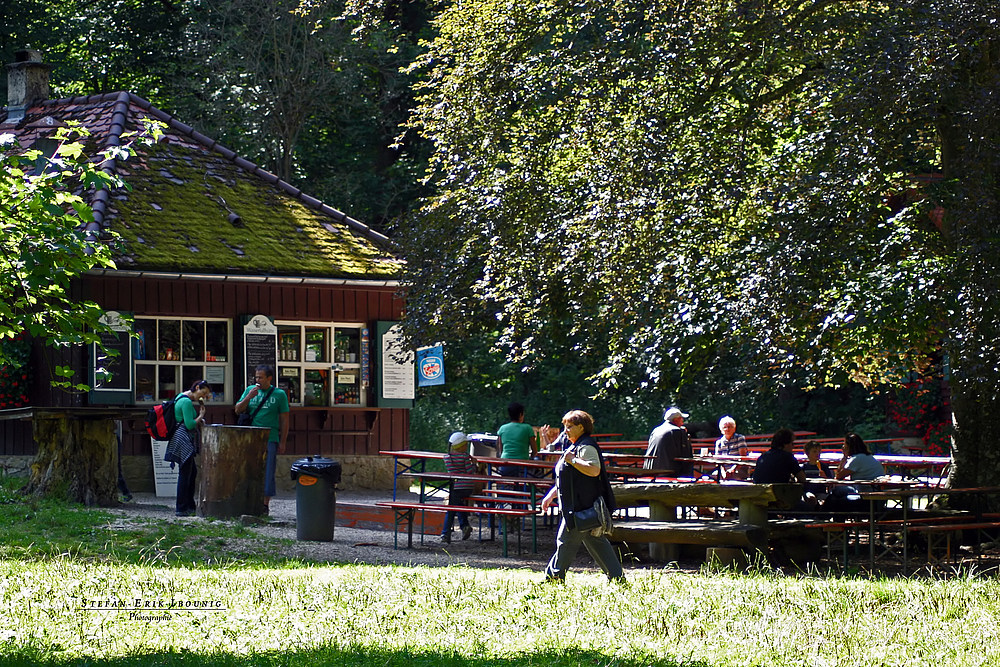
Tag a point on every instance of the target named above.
point(260, 345)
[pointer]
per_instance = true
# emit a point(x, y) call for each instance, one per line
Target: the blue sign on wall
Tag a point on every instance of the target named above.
point(430, 365)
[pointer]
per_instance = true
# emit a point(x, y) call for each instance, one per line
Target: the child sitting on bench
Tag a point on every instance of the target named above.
point(458, 461)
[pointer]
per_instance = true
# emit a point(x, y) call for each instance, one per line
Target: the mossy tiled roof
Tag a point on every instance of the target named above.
point(195, 206)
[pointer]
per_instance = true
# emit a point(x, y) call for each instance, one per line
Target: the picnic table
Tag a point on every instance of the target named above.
point(415, 461)
point(496, 500)
point(905, 497)
point(664, 528)
point(907, 466)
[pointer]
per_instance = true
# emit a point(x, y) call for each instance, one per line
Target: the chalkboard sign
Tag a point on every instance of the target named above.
point(112, 372)
point(260, 345)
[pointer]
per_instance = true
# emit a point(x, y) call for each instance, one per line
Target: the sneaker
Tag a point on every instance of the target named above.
point(446, 539)
point(466, 532)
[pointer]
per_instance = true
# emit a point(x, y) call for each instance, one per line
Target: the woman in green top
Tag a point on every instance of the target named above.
point(185, 443)
point(516, 440)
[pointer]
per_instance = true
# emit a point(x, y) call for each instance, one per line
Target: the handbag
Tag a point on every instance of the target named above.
point(246, 419)
point(588, 519)
point(596, 518)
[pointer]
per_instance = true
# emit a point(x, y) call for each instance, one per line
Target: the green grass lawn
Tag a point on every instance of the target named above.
point(72, 592)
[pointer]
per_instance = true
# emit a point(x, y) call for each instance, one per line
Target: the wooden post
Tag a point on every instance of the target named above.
point(753, 513)
point(231, 475)
point(658, 551)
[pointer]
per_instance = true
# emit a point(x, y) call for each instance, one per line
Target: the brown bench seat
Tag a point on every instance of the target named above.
point(405, 512)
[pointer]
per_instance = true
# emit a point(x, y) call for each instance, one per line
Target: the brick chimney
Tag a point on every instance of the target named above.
point(27, 82)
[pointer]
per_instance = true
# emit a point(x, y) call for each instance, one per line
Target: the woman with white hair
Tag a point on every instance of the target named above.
point(732, 444)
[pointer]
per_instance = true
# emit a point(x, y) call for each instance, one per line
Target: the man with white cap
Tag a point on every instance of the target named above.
point(458, 461)
point(669, 441)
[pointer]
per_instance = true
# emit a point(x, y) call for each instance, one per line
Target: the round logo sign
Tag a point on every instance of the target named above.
point(430, 367)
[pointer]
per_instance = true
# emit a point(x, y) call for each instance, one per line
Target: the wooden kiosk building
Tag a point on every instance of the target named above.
point(222, 266)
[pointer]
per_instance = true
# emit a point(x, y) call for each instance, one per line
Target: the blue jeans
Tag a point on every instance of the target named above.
point(269, 468)
point(459, 497)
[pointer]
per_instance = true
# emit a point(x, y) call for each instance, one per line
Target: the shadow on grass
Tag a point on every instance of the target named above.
point(350, 657)
point(38, 529)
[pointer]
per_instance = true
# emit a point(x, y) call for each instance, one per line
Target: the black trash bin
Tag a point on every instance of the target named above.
point(316, 479)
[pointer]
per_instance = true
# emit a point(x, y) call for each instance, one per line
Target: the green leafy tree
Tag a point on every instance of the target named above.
point(803, 191)
point(46, 245)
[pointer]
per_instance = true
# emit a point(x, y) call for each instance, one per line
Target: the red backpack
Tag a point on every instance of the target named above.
point(161, 420)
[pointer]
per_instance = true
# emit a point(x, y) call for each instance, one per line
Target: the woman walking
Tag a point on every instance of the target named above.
point(580, 480)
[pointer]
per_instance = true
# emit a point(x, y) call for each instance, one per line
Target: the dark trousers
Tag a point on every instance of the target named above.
point(457, 497)
point(186, 477)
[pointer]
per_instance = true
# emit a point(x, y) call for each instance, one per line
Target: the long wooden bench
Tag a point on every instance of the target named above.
point(947, 530)
point(949, 523)
point(405, 512)
point(707, 533)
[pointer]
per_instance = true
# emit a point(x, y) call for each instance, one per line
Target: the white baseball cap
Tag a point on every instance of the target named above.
point(457, 438)
point(673, 413)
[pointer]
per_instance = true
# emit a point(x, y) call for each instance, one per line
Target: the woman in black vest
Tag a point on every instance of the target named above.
point(580, 480)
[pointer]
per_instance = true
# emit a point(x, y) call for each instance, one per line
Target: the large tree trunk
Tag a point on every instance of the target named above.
point(77, 459)
point(969, 128)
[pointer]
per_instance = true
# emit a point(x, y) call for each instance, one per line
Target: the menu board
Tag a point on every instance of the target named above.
point(398, 367)
point(260, 345)
point(113, 372)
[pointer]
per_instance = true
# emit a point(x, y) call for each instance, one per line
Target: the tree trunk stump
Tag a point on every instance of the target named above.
point(231, 475)
point(77, 459)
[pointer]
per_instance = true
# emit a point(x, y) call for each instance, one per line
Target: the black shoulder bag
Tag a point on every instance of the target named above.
point(597, 517)
point(246, 419)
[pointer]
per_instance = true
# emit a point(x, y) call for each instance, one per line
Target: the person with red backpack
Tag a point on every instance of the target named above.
point(185, 443)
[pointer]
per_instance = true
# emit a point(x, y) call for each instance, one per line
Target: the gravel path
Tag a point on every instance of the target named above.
point(357, 545)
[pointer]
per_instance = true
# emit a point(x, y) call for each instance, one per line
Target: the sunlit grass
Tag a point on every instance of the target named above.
point(55, 597)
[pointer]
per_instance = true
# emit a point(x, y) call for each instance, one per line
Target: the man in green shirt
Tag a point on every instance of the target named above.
point(273, 414)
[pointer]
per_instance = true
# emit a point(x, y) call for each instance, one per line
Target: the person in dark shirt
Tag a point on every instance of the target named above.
point(668, 442)
point(778, 465)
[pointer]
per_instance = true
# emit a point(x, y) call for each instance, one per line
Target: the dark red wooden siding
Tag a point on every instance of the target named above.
point(313, 431)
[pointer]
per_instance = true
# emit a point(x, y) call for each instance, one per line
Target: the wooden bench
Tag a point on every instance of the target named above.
point(406, 512)
point(935, 531)
point(841, 530)
point(708, 533)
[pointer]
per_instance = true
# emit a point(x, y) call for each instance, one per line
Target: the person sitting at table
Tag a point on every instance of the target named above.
point(731, 444)
point(580, 479)
point(516, 440)
point(668, 442)
point(814, 468)
point(778, 464)
point(458, 461)
point(552, 439)
point(857, 464)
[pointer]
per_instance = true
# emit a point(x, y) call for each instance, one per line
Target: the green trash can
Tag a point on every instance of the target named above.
point(316, 479)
